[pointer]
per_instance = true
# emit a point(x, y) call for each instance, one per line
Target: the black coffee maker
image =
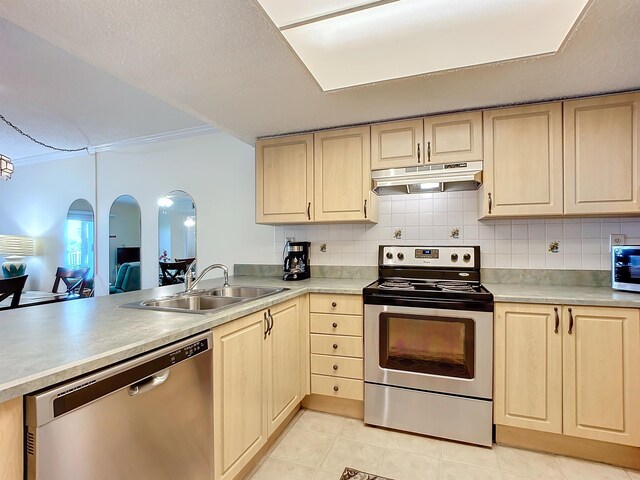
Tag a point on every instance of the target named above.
point(296, 261)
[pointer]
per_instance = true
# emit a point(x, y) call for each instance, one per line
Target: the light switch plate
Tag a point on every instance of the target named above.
point(616, 239)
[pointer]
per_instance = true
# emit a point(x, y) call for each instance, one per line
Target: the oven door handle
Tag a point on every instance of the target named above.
point(416, 302)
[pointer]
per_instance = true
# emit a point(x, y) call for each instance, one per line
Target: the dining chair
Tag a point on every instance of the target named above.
point(73, 278)
point(171, 272)
point(12, 286)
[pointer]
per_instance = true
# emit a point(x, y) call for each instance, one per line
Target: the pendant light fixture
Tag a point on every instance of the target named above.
point(6, 166)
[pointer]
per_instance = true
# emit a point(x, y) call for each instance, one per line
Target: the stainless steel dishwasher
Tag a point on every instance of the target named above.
point(147, 418)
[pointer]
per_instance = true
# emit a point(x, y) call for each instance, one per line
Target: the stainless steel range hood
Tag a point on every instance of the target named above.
point(447, 177)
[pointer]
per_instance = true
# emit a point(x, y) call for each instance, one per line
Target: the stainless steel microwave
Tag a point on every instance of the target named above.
point(625, 268)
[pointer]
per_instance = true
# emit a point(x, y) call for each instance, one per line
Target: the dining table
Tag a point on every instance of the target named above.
point(31, 298)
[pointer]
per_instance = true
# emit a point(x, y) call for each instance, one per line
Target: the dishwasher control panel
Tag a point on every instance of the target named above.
point(188, 351)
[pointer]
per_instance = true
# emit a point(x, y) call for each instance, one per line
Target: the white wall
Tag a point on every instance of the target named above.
point(35, 202)
point(215, 169)
point(428, 219)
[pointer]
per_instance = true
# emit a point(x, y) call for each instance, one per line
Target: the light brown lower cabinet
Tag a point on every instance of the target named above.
point(257, 382)
point(11, 440)
point(568, 369)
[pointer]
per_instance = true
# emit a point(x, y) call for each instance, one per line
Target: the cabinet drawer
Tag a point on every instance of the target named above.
point(336, 303)
point(336, 324)
point(336, 345)
point(334, 366)
point(337, 387)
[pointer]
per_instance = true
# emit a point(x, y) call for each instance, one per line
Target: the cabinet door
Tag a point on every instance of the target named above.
point(397, 144)
point(11, 439)
point(453, 138)
point(601, 155)
point(601, 351)
point(240, 420)
point(528, 367)
point(342, 164)
point(284, 363)
point(522, 161)
point(284, 179)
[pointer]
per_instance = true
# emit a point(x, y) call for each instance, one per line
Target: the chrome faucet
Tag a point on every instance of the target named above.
point(190, 284)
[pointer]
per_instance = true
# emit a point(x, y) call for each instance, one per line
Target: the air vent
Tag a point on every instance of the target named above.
point(31, 443)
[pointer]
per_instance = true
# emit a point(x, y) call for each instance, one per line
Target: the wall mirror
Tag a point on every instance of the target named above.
point(124, 245)
point(176, 236)
point(78, 239)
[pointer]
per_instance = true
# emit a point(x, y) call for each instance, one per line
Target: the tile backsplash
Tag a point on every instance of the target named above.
point(451, 219)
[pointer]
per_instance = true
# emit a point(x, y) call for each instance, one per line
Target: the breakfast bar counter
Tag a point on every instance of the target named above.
point(44, 345)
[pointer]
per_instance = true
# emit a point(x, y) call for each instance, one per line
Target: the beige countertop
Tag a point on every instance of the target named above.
point(44, 345)
point(562, 295)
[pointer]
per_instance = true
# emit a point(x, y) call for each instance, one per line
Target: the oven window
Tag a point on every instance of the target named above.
point(434, 345)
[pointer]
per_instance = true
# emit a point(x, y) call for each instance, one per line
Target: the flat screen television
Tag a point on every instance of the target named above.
point(127, 254)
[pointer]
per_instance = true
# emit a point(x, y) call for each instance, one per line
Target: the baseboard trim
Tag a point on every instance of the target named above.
point(338, 406)
point(605, 452)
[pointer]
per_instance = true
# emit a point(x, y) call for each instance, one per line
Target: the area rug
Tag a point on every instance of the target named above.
point(353, 474)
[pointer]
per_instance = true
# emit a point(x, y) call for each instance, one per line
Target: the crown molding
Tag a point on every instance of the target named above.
point(120, 144)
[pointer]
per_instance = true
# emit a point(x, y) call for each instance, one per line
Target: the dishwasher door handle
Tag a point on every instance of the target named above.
point(149, 383)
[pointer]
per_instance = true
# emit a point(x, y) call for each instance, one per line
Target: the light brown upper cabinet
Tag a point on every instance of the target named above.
point(601, 155)
point(453, 138)
point(438, 139)
point(342, 166)
point(284, 179)
point(397, 144)
point(522, 161)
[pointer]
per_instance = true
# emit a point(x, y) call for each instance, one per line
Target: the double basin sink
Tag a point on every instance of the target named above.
point(205, 301)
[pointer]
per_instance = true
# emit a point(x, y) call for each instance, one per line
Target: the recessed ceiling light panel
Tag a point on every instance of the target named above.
point(388, 40)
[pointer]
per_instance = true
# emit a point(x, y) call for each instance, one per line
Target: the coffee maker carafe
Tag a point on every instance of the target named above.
point(296, 261)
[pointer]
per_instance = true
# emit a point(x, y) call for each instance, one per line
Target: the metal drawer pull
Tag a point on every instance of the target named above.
point(309, 211)
point(335, 346)
point(334, 304)
point(490, 202)
point(418, 152)
point(365, 208)
point(428, 151)
point(555, 309)
point(335, 367)
point(334, 325)
point(570, 321)
point(335, 388)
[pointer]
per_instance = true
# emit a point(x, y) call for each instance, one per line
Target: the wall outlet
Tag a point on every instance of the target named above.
point(616, 239)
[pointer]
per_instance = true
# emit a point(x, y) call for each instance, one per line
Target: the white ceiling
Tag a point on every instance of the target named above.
point(65, 102)
point(412, 37)
point(225, 62)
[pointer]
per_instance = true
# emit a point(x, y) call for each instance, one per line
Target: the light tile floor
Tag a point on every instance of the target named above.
point(318, 446)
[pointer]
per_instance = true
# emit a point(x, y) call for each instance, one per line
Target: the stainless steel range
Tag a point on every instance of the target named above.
point(428, 344)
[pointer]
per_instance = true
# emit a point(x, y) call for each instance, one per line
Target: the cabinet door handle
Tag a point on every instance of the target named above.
point(418, 152)
point(490, 202)
point(266, 323)
point(335, 346)
point(334, 304)
point(309, 211)
point(336, 388)
point(335, 367)
point(270, 321)
point(428, 151)
point(334, 325)
point(555, 309)
point(570, 321)
point(365, 208)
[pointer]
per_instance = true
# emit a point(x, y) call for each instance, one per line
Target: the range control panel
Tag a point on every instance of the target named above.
point(417, 256)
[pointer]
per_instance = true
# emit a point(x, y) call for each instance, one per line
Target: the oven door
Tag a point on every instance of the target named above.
point(436, 350)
